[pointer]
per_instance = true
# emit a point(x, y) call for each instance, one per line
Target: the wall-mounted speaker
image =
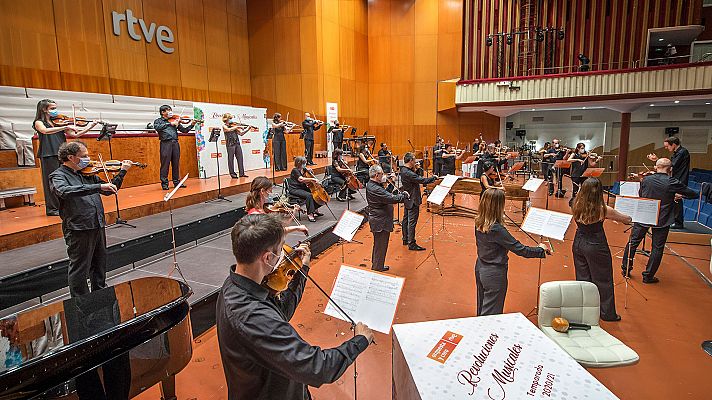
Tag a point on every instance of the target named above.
point(510, 125)
point(521, 132)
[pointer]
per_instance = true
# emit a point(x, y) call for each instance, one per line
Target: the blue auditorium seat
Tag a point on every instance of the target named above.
point(690, 214)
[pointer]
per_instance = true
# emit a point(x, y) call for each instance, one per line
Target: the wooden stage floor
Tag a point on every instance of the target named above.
point(666, 329)
point(23, 226)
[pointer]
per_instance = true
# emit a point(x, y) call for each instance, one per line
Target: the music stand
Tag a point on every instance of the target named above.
point(516, 167)
point(559, 165)
point(215, 137)
point(107, 131)
point(592, 172)
point(167, 198)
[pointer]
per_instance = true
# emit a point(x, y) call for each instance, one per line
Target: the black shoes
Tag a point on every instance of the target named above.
point(318, 214)
point(164, 187)
point(677, 226)
point(233, 176)
point(243, 176)
point(405, 243)
point(614, 319)
point(626, 273)
point(415, 247)
point(385, 268)
point(52, 213)
point(175, 184)
point(651, 280)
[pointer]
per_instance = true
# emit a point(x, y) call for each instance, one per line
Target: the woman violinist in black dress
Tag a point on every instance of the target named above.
point(592, 256)
point(51, 135)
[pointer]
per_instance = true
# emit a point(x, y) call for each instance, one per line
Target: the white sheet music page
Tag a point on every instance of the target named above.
point(641, 210)
point(533, 184)
point(630, 189)
point(348, 225)
point(449, 180)
point(547, 223)
point(366, 296)
point(437, 196)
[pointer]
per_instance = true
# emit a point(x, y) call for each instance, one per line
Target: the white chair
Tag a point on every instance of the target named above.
point(579, 301)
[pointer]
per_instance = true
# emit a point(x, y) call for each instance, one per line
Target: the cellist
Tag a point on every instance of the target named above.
point(339, 168)
point(298, 187)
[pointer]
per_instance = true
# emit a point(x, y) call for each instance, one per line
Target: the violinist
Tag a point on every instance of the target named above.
point(380, 215)
point(438, 155)
point(385, 157)
point(167, 127)
point(299, 189)
point(411, 182)
point(337, 135)
point(579, 163)
point(562, 153)
point(448, 160)
point(263, 355)
point(548, 155)
point(310, 125)
point(279, 142)
point(362, 162)
point(233, 132)
point(489, 155)
point(256, 203)
point(339, 168)
point(680, 170)
point(490, 178)
point(51, 136)
point(82, 214)
point(494, 242)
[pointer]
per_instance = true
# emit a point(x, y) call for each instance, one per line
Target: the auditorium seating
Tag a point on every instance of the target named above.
point(691, 206)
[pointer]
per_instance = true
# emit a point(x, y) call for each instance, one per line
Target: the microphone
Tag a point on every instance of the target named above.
point(562, 325)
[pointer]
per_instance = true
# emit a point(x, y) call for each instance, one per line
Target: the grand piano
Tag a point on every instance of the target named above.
point(112, 343)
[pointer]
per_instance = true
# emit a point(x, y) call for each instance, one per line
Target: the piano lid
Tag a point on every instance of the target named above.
point(48, 345)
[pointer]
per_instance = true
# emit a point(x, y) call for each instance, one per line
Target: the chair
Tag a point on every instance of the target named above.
point(293, 199)
point(579, 301)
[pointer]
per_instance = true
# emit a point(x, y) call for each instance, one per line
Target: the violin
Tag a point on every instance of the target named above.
point(63, 120)
point(319, 194)
point(369, 158)
point(113, 166)
point(184, 120)
point(278, 280)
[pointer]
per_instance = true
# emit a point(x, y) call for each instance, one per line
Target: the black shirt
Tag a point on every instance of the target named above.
point(337, 163)
point(49, 143)
point(337, 134)
point(359, 163)
point(410, 182)
point(577, 168)
point(493, 246)
point(80, 205)
point(309, 126)
point(438, 152)
point(681, 165)
point(278, 132)
point(380, 206)
point(263, 356)
point(166, 131)
point(294, 183)
point(448, 165)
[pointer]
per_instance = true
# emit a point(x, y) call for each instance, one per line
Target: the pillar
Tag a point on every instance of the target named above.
point(623, 146)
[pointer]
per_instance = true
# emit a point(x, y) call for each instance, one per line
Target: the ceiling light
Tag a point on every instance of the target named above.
point(677, 101)
point(651, 105)
point(583, 108)
point(661, 40)
point(533, 109)
point(708, 103)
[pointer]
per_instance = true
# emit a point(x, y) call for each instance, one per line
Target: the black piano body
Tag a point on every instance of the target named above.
point(119, 340)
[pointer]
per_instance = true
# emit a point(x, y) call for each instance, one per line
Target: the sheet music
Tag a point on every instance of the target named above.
point(449, 180)
point(644, 211)
point(630, 189)
point(366, 296)
point(348, 225)
point(533, 184)
point(547, 223)
point(438, 194)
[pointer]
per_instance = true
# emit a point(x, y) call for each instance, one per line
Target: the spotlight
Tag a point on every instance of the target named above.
point(488, 41)
point(677, 101)
point(560, 34)
point(510, 39)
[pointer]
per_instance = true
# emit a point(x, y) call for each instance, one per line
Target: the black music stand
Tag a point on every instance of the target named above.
point(215, 137)
point(107, 131)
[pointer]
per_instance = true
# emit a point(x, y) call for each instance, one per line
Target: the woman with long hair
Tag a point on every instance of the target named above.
point(579, 163)
point(592, 256)
point(51, 136)
point(260, 191)
point(493, 244)
point(279, 142)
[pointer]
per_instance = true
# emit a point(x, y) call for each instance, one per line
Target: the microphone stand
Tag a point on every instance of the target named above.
point(167, 198)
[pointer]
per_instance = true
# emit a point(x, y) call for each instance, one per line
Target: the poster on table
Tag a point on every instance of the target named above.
point(493, 357)
point(332, 114)
point(252, 142)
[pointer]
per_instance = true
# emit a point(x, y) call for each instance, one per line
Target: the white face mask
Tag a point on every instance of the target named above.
point(383, 179)
point(169, 114)
point(279, 261)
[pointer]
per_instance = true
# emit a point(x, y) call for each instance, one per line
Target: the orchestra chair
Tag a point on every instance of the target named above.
point(579, 302)
point(293, 199)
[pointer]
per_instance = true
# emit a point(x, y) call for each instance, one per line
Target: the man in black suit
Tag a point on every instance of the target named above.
point(310, 125)
point(380, 215)
point(680, 171)
point(411, 182)
point(337, 135)
point(668, 190)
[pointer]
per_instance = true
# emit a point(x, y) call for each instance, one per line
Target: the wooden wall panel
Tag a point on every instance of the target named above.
point(128, 66)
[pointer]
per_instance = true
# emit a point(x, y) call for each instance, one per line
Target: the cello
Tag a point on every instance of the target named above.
point(319, 194)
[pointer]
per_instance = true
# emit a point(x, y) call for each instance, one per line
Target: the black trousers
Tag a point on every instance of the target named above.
point(380, 248)
point(577, 181)
point(49, 164)
point(170, 156)
point(491, 289)
point(560, 172)
point(548, 174)
point(679, 213)
point(235, 152)
point(437, 166)
point(306, 196)
point(87, 260)
point(338, 144)
point(279, 147)
point(309, 150)
point(343, 188)
point(593, 263)
point(656, 253)
point(409, 222)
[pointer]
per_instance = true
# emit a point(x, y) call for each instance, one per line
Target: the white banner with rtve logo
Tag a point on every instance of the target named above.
point(252, 142)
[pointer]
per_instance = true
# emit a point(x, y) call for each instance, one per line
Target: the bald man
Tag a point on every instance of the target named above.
point(668, 190)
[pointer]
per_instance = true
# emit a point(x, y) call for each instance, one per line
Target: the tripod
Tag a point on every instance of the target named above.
point(628, 268)
point(168, 197)
point(431, 253)
point(107, 131)
point(215, 137)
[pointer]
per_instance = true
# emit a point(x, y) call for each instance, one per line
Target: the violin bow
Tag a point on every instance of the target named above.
point(103, 167)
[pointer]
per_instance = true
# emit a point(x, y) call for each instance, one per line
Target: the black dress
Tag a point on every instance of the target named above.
point(577, 169)
point(279, 147)
point(49, 160)
point(300, 190)
point(593, 263)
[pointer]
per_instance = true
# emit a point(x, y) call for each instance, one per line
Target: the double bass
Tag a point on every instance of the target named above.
point(319, 194)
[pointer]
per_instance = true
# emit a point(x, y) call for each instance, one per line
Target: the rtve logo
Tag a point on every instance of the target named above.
point(163, 33)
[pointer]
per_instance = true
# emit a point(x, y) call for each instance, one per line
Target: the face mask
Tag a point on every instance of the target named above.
point(83, 162)
point(53, 113)
point(232, 120)
point(383, 179)
point(556, 145)
point(169, 114)
point(279, 261)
